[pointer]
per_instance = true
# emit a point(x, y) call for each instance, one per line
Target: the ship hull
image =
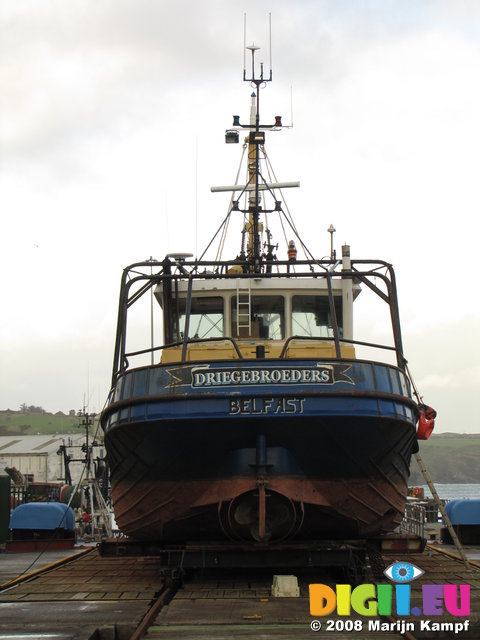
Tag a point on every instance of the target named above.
point(303, 462)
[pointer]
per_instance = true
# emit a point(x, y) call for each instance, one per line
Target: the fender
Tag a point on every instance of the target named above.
point(426, 422)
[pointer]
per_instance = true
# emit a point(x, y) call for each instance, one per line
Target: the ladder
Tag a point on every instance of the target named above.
point(441, 508)
point(244, 306)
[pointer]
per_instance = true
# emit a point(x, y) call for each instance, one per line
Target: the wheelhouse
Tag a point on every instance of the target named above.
point(257, 315)
point(222, 311)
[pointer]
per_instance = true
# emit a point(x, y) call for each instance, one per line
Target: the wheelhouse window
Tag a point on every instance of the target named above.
point(311, 316)
point(206, 318)
point(258, 317)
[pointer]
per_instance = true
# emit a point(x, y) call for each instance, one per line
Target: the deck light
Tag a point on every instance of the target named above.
point(278, 121)
point(231, 136)
point(236, 121)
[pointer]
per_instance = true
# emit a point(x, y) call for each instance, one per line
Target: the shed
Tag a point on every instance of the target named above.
point(37, 457)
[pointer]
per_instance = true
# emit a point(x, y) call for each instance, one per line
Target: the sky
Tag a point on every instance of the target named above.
point(112, 123)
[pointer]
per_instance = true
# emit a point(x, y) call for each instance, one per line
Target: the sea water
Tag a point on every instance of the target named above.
point(454, 491)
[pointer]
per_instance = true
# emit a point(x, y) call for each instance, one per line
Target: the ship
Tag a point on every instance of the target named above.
point(260, 416)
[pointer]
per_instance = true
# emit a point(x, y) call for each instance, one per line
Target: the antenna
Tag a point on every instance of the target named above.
point(331, 230)
point(270, 40)
point(253, 47)
point(196, 199)
point(291, 106)
point(256, 183)
point(244, 43)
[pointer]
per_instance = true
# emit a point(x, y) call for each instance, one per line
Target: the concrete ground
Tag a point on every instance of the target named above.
point(14, 565)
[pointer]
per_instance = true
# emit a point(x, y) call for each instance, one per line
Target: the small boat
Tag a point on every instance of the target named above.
point(260, 417)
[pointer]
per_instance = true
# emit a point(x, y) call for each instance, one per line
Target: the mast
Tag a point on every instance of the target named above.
point(255, 183)
point(255, 139)
point(252, 226)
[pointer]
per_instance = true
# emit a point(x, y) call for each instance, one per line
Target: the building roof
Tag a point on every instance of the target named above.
point(35, 445)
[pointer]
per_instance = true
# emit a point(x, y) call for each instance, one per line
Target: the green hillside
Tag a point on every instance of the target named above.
point(449, 458)
point(42, 423)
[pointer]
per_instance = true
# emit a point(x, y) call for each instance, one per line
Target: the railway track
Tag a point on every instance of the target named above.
point(91, 597)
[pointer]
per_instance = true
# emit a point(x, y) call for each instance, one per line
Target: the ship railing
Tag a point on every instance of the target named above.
point(329, 339)
point(269, 268)
point(283, 354)
point(181, 343)
point(413, 520)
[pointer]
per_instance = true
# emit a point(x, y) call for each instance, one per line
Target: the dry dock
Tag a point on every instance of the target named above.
point(108, 598)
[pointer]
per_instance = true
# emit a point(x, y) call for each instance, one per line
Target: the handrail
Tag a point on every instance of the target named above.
point(197, 264)
point(239, 353)
point(345, 340)
point(189, 341)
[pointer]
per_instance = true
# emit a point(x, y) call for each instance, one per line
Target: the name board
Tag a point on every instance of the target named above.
point(234, 377)
point(205, 377)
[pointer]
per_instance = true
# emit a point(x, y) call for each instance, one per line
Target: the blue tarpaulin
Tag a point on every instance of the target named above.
point(42, 516)
point(463, 511)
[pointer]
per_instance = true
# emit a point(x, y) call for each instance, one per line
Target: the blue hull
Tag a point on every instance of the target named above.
point(194, 449)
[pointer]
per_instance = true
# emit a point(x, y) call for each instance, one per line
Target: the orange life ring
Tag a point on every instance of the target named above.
point(426, 422)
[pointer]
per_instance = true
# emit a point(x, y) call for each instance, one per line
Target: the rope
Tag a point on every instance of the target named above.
point(287, 214)
point(223, 237)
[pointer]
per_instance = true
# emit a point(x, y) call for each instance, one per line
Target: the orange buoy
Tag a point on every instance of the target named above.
point(426, 422)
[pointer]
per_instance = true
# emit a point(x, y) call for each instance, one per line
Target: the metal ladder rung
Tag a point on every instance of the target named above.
point(244, 306)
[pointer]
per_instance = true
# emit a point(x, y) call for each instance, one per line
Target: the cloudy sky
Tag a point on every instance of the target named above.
point(112, 119)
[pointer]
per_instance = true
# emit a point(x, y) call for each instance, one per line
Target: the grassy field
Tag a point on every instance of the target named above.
point(28, 424)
